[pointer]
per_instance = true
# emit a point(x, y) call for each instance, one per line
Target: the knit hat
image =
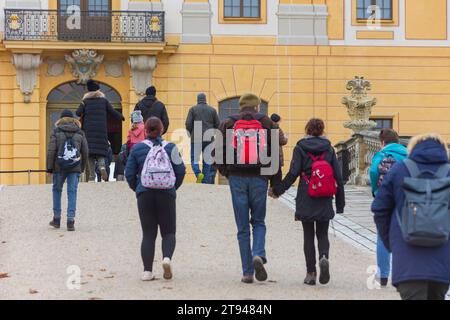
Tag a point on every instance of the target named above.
point(275, 118)
point(201, 98)
point(249, 100)
point(151, 91)
point(92, 85)
point(66, 113)
point(136, 116)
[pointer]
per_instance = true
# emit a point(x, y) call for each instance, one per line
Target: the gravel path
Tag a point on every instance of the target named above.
point(206, 263)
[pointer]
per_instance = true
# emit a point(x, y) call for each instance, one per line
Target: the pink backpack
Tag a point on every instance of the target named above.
point(157, 172)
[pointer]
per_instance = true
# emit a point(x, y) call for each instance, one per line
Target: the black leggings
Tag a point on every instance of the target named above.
point(157, 208)
point(308, 242)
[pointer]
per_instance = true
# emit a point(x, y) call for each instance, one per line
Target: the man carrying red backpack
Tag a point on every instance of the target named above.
point(249, 137)
point(314, 161)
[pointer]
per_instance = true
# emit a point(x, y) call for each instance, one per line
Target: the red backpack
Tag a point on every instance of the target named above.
point(322, 183)
point(249, 140)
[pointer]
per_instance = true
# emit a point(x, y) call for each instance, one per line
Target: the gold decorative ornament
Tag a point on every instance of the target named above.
point(154, 24)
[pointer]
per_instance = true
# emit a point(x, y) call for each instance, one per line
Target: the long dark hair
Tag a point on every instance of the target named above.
point(153, 127)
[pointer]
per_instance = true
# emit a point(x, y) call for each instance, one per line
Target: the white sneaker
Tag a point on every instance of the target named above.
point(147, 276)
point(167, 269)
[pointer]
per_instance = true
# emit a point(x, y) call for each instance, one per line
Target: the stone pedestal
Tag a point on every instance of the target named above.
point(142, 68)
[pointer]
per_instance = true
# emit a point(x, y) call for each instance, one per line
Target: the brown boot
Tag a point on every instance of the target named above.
point(247, 279)
point(310, 278)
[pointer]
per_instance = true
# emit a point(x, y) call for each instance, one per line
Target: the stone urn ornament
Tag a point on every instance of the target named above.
point(359, 105)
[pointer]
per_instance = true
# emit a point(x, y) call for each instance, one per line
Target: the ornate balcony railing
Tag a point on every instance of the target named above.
point(100, 26)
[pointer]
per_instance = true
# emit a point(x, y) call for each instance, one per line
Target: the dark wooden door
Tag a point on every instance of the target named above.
point(84, 20)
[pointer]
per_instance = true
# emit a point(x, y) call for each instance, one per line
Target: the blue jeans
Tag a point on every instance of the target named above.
point(249, 195)
point(196, 150)
point(72, 186)
point(383, 259)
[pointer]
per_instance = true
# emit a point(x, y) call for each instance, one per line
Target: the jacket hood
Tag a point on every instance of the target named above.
point(315, 144)
point(68, 124)
point(396, 148)
point(138, 130)
point(428, 150)
point(94, 95)
point(150, 98)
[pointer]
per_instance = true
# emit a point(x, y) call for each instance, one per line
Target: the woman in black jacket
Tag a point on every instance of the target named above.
point(93, 111)
point(313, 212)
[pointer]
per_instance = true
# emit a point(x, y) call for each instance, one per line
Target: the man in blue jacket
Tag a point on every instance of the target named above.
point(391, 148)
point(418, 273)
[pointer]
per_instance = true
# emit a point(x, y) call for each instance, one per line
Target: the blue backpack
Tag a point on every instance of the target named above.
point(425, 216)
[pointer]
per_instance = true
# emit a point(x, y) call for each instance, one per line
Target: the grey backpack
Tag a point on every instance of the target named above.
point(425, 216)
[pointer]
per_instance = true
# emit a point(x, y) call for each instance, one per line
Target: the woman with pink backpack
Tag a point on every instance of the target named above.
point(155, 171)
point(137, 131)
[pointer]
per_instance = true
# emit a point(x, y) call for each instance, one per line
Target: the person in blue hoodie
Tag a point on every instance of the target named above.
point(419, 273)
point(391, 148)
point(156, 206)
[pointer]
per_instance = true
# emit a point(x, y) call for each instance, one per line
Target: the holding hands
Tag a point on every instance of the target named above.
point(271, 194)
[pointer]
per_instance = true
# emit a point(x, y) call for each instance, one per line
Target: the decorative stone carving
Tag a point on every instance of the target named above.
point(114, 68)
point(359, 105)
point(55, 67)
point(142, 68)
point(27, 67)
point(84, 64)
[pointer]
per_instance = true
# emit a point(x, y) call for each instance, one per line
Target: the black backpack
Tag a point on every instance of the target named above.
point(68, 155)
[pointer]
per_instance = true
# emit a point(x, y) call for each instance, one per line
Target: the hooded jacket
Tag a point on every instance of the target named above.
point(204, 113)
point(312, 209)
point(94, 112)
point(152, 107)
point(135, 135)
point(396, 150)
point(67, 128)
point(410, 262)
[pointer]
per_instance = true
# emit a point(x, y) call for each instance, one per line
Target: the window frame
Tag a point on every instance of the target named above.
point(383, 119)
point(262, 19)
point(241, 9)
point(386, 20)
point(393, 21)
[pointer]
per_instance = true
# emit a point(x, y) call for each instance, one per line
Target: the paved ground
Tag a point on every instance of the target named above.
point(356, 225)
point(206, 264)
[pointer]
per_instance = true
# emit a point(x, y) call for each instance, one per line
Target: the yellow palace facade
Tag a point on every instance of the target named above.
point(297, 55)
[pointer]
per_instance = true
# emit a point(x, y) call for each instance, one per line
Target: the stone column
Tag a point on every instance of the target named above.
point(196, 22)
point(301, 23)
point(26, 113)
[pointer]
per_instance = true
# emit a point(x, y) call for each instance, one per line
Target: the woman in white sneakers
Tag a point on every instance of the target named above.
point(155, 171)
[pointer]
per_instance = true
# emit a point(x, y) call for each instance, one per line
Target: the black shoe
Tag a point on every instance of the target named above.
point(55, 223)
point(324, 266)
point(384, 282)
point(247, 279)
point(70, 225)
point(310, 279)
point(260, 271)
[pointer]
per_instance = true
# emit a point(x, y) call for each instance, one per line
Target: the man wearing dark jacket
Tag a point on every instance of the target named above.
point(66, 127)
point(150, 106)
point(249, 192)
point(93, 111)
point(419, 273)
point(201, 118)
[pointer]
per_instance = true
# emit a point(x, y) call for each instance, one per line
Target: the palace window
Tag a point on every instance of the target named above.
point(380, 9)
point(242, 9)
point(383, 123)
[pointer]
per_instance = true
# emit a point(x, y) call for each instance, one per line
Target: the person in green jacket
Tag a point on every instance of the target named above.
point(391, 153)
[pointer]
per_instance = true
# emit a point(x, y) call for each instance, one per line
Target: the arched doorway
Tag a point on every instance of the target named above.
point(229, 107)
point(69, 96)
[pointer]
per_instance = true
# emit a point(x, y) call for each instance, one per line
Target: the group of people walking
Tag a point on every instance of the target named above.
point(154, 170)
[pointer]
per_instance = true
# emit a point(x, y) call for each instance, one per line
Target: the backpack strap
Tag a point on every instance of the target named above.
point(443, 171)
point(148, 143)
point(412, 168)
point(314, 158)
